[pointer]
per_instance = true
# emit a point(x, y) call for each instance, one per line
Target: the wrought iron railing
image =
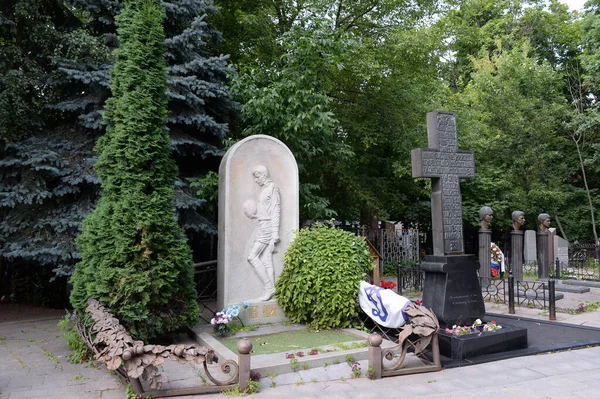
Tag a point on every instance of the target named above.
point(587, 269)
point(395, 245)
point(494, 289)
point(532, 294)
point(205, 276)
point(410, 278)
point(582, 252)
point(137, 362)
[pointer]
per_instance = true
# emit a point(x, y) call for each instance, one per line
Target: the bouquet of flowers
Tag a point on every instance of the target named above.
point(476, 327)
point(387, 284)
point(497, 260)
point(220, 323)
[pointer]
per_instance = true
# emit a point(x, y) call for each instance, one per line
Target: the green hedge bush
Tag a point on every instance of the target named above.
point(322, 271)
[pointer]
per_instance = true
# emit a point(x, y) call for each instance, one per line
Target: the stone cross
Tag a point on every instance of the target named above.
point(444, 164)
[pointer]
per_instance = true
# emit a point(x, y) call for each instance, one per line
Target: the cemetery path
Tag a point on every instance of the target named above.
point(35, 365)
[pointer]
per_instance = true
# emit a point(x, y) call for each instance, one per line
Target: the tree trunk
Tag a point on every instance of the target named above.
point(562, 232)
point(587, 191)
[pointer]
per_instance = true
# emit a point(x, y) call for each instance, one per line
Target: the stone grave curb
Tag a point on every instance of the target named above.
point(571, 289)
point(584, 283)
point(277, 363)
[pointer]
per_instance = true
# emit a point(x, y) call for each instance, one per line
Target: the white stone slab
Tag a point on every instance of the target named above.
point(237, 279)
point(561, 250)
point(530, 246)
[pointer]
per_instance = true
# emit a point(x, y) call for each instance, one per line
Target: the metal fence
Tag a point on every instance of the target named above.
point(582, 252)
point(410, 279)
point(583, 263)
point(205, 277)
point(532, 294)
point(396, 246)
point(588, 269)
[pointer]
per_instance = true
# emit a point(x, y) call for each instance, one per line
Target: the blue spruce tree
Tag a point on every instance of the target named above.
point(48, 185)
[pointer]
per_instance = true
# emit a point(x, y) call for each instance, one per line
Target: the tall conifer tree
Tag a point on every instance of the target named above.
point(134, 255)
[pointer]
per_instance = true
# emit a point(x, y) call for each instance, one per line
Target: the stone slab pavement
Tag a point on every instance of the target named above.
point(33, 363)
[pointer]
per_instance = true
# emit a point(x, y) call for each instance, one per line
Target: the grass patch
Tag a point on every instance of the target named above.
point(291, 341)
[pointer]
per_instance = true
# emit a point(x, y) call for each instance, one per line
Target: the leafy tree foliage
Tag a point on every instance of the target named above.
point(381, 102)
point(287, 100)
point(513, 67)
point(517, 146)
point(591, 42)
point(331, 63)
point(134, 254)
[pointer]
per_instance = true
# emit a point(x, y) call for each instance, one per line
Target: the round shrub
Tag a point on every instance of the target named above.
point(320, 281)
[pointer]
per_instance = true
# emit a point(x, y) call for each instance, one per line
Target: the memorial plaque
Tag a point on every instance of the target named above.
point(444, 164)
point(263, 313)
point(269, 311)
point(253, 312)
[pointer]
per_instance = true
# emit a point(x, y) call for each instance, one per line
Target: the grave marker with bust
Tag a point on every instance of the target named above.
point(485, 241)
point(545, 246)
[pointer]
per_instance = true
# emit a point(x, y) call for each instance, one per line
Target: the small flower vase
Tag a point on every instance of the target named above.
point(221, 330)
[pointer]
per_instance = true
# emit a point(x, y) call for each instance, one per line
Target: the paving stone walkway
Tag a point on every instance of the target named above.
point(33, 364)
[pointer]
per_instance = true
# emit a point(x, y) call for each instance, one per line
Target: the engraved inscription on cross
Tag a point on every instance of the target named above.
point(444, 164)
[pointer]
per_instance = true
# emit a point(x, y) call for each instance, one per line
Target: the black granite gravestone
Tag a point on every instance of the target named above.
point(470, 346)
point(451, 287)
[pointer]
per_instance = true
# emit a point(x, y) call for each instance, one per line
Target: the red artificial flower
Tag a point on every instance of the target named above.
point(418, 302)
point(387, 284)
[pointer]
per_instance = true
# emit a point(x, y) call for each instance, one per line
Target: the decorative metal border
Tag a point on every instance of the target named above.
point(134, 360)
point(532, 294)
point(588, 269)
point(493, 289)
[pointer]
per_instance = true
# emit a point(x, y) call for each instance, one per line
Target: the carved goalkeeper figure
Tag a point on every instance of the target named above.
point(267, 210)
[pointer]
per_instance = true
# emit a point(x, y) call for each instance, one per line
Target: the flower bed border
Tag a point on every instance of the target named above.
point(132, 360)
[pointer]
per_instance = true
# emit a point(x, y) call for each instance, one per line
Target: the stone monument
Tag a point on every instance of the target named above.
point(451, 287)
point(561, 251)
point(516, 245)
point(485, 241)
point(258, 214)
point(529, 248)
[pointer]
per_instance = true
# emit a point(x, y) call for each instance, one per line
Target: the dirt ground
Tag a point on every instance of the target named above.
point(11, 312)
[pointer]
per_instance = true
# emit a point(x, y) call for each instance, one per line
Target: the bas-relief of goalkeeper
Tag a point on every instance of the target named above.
point(267, 210)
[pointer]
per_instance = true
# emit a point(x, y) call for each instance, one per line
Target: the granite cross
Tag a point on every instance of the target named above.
point(444, 164)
